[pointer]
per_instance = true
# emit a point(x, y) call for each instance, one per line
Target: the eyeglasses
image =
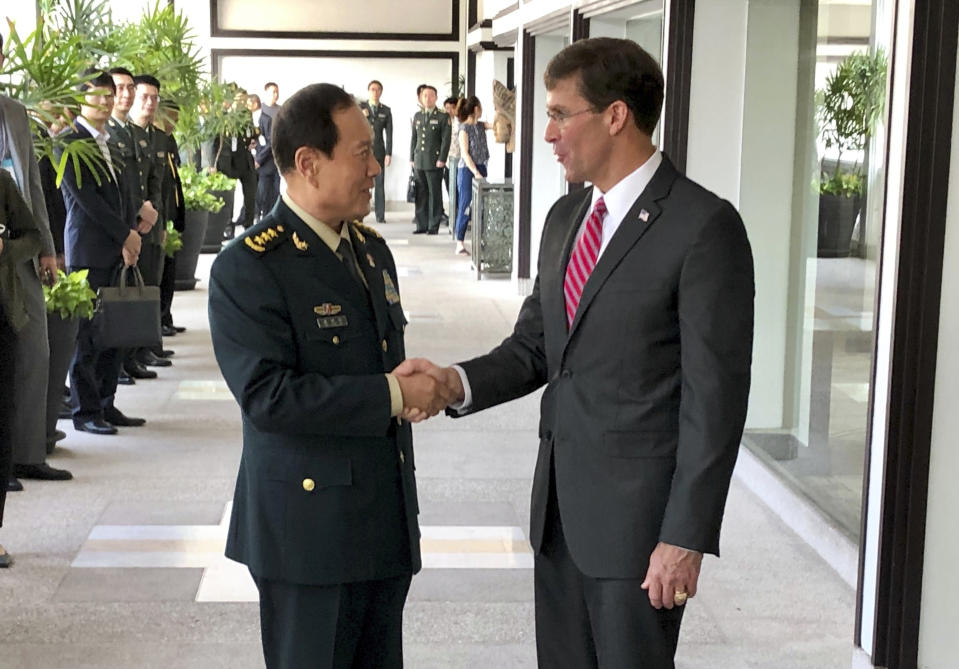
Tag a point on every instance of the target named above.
point(560, 118)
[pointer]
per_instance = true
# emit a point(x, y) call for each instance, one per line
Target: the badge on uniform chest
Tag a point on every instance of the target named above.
point(328, 316)
point(392, 295)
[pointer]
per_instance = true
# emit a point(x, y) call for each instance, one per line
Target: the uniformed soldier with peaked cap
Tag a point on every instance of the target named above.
point(307, 324)
point(429, 147)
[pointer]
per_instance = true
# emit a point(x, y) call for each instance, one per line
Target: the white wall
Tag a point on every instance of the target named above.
point(400, 77)
point(376, 16)
point(939, 618)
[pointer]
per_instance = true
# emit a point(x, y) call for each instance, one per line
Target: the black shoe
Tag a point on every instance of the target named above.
point(59, 435)
point(433, 232)
point(168, 331)
point(229, 232)
point(147, 357)
point(381, 220)
point(162, 352)
point(65, 411)
point(5, 558)
point(94, 426)
point(41, 472)
point(13, 485)
point(116, 417)
point(419, 232)
point(124, 380)
point(136, 370)
point(179, 328)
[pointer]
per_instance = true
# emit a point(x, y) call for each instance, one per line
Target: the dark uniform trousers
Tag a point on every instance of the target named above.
point(8, 340)
point(93, 371)
point(429, 199)
point(379, 195)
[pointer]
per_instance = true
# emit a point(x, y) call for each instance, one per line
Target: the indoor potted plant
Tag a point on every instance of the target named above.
point(68, 300)
point(847, 109)
point(199, 203)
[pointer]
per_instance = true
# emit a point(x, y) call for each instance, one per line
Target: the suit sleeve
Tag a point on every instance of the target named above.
point(716, 293)
point(19, 219)
point(254, 344)
point(94, 207)
point(389, 132)
point(264, 152)
point(37, 201)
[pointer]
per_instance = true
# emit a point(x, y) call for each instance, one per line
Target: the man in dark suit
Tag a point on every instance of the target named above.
point(236, 161)
point(640, 325)
point(307, 325)
point(381, 119)
point(99, 236)
point(429, 146)
point(267, 176)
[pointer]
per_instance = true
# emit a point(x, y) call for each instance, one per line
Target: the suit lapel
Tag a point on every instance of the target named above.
point(558, 310)
point(641, 216)
point(374, 279)
point(309, 245)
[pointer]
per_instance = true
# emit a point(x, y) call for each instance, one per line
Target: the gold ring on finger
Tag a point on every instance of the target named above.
point(680, 597)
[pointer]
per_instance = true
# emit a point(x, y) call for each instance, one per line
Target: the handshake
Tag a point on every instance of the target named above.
point(427, 388)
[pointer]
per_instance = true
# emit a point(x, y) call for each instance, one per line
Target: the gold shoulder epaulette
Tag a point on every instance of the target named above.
point(367, 230)
point(266, 239)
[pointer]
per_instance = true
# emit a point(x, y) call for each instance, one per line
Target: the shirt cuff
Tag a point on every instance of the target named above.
point(396, 396)
point(467, 402)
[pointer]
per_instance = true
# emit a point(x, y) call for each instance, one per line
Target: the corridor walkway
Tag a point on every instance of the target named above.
point(123, 567)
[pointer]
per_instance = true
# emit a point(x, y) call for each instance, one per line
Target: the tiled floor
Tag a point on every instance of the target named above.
point(123, 567)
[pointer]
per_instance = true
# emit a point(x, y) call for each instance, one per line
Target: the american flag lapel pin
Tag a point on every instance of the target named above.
point(644, 215)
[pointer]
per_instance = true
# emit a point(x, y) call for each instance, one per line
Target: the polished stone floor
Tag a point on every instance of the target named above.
point(123, 566)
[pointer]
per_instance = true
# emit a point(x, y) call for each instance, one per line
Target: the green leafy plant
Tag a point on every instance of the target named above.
point(174, 242)
point(217, 181)
point(196, 191)
point(71, 296)
point(848, 109)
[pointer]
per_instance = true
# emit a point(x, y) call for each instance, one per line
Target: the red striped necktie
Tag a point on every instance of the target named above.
point(583, 259)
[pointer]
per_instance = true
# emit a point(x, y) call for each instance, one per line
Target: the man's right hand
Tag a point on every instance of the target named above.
point(131, 248)
point(423, 394)
point(446, 377)
point(148, 217)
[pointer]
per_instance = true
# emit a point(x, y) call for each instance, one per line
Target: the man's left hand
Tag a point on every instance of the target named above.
point(441, 164)
point(671, 570)
point(48, 270)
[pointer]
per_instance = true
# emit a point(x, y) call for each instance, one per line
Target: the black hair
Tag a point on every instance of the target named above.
point(612, 69)
point(147, 79)
point(306, 119)
point(452, 100)
point(273, 84)
point(466, 107)
point(374, 81)
point(94, 77)
point(120, 70)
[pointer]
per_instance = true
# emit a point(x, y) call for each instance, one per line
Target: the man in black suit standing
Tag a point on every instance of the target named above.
point(267, 176)
point(381, 119)
point(99, 236)
point(307, 325)
point(640, 325)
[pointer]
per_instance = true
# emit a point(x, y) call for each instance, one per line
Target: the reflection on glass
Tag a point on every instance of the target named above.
point(834, 241)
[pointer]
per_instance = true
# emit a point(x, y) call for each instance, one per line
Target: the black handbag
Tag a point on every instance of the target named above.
point(411, 190)
point(127, 316)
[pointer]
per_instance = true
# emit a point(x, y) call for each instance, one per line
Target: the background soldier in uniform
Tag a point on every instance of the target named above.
point(429, 147)
point(307, 325)
point(381, 118)
point(172, 191)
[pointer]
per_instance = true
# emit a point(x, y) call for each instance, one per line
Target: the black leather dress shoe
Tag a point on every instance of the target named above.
point(41, 472)
point(419, 232)
point(433, 232)
point(13, 485)
point(137, 371)
point(125, 379)
point(168, 331)
point(162, 352)
point(94, 426)
point(116, 417)
point(179, 328)
point(148, 358)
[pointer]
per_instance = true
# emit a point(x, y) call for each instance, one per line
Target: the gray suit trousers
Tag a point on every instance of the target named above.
point(29, 433)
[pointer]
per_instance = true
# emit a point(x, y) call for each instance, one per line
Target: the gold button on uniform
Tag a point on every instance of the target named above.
point(308, 485)
point(336, 340)
point(385, 346)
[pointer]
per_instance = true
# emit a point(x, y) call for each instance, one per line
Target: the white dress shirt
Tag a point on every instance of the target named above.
point(101, 139)
point(619, 199)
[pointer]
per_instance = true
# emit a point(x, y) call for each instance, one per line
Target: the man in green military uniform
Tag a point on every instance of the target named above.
point(381, 119)
point(149, 139)
point(236, 161)
point(307, 326)
point(429, 147)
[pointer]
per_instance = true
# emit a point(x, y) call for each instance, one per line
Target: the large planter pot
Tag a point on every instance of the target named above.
point(62, 336)
point(213, 240)
point(837, 220)
point(186, 257)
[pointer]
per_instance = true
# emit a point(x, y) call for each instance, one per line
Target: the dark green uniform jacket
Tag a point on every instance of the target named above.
point(325, 492)
point(430, 139)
